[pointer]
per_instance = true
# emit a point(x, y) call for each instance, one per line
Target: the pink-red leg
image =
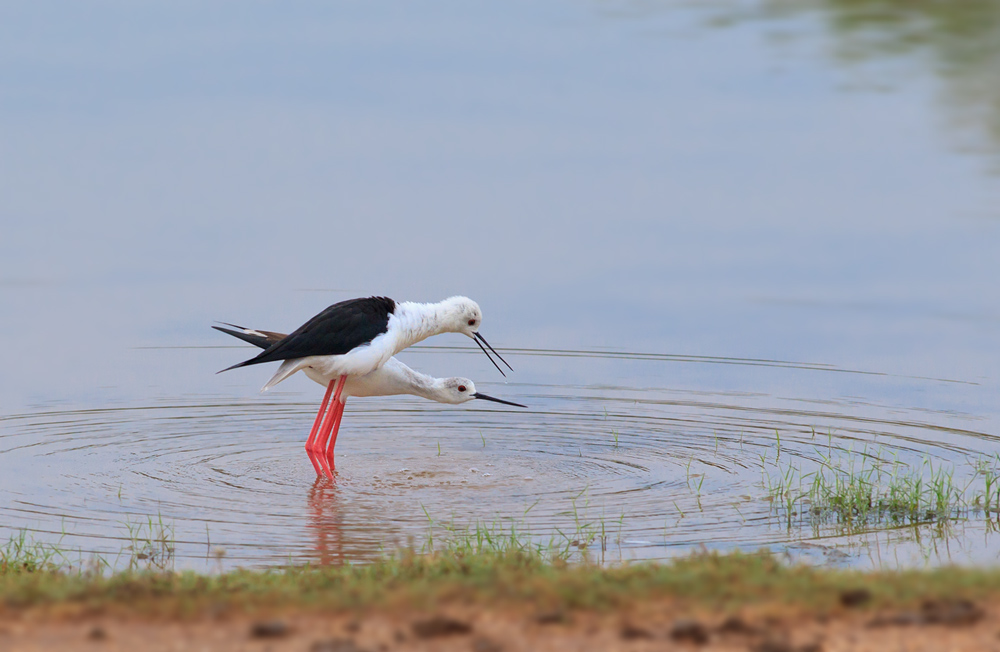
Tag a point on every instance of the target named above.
point(314, 458)
point(339, 407)
point(319, 446)
point(319, 415)
point(317, 457)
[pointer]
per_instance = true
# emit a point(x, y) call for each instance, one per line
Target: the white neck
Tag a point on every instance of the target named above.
point(435, 391)
point(413, 382)
point(418, 321)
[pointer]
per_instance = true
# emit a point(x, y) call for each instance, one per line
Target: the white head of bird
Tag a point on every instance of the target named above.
point(460, 315)
point(454, 390)
point(460, 390)
point(463, 315)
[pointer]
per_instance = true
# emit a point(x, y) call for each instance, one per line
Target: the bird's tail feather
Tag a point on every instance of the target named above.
point(261, 339)
point(287, 368)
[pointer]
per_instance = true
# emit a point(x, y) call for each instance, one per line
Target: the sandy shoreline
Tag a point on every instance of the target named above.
point(651, 625)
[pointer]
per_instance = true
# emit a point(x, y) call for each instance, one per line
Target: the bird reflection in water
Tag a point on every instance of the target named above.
point(326, 521)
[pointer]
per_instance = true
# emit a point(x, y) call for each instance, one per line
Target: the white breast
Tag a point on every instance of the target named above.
point(391, 379)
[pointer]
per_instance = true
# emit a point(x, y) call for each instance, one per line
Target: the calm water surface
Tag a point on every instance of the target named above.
point(714, 244)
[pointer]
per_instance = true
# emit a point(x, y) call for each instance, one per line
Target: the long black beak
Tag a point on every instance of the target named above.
point(480, 340)
point(497, 400)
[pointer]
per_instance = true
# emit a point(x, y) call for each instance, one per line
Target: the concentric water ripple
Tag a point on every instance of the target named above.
point(654, 471)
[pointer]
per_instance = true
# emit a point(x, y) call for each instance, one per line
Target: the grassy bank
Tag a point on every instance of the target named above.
point(491, 574)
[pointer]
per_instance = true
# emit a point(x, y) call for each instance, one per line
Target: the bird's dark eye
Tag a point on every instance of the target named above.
point(461, 388)
point(472, 322)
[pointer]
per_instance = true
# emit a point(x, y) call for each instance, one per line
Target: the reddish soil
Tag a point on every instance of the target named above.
point(955, 626)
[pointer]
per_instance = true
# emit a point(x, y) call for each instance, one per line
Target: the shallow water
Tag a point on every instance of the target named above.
point(711, 253)
point(649, 471)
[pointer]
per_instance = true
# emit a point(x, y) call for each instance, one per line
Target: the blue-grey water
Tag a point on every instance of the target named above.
point(694, 230)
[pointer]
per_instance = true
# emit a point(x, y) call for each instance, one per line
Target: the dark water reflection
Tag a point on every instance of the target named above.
point(958, 43)
point(692, 240)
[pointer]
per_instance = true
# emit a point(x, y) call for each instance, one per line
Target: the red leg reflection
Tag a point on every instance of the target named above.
point(326, 522)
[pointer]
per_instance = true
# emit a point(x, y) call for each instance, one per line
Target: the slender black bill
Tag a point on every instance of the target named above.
point(488, 356)
point(483, 339)
point(497, 400)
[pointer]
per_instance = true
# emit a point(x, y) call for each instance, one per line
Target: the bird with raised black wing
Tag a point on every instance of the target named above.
point(349, 348)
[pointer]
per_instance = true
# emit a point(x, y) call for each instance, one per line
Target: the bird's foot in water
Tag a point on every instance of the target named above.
point(321, 463)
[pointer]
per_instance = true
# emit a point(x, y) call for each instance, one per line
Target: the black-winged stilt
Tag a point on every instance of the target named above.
point(351, 340)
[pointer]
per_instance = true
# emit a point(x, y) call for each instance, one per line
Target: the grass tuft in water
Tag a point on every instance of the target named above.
point(864, 489)
point(151, 544)
point(23, 555)
point(582, 538)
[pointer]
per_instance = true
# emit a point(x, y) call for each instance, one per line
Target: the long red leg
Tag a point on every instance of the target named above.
point(314, 458)
point(324, 430)
point(319, 415)
point(339, 407)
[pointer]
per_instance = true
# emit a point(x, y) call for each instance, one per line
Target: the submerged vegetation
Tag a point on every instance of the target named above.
point(856, 491)
point(588, 538)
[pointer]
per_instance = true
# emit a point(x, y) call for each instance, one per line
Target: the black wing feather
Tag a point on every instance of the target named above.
point(335, 331)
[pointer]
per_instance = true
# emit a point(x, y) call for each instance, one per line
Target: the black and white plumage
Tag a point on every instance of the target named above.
point(335, 331)
point(349, 347)
point(357, 336)
point(391, 379)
